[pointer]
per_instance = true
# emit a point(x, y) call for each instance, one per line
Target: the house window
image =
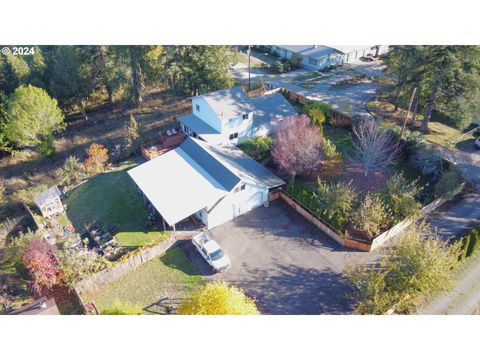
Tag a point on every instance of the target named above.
point(197, 107)
point(245, 116)
point(242, 187)
point(312, 61)
point(239, 188)
point(233, 136)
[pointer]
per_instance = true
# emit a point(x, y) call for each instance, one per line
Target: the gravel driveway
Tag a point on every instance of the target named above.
point(288, 265)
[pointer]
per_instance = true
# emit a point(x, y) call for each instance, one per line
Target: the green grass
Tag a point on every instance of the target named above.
point(305, 76)
point(111, 198)
point(254, 62)
point(444, 135)
point(410, 173)
point(342, 138)
point(162, 281)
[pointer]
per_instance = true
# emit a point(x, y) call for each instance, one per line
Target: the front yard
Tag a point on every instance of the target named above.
point(111, 198)
point(158, 286)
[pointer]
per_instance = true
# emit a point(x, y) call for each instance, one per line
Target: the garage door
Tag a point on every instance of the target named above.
point(254, 201)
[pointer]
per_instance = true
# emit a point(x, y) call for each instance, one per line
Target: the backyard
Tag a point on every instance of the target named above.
point(158, 286)
point(111, 198)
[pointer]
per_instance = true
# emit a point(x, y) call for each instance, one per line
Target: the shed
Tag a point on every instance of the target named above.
point(49, 202)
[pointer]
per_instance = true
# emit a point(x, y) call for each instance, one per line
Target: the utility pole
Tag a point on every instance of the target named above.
point(406, 116)
point(248, 52)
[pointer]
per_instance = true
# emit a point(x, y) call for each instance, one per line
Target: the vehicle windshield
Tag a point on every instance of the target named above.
point(217, 254)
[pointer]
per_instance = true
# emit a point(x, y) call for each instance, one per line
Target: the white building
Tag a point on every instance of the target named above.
point(318, 57)
point(229, 116)
point(214, 183)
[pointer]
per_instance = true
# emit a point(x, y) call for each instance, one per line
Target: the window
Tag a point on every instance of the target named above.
point(242, 187)
point(312, 61)
point(197, 107)
point(245, 116)
point(239, 188)
point(233, 136)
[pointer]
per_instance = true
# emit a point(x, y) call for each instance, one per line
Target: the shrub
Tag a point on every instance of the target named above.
point(465, 247)
point(336, 202)
point(296, 61)
point(119, 308)
point(317, 111)
point(449, 182)
point(97, 158)
point(412, 142)
point(77, 266)
point(329, 149)
point(218, 299)
point(419, 266)
point(372, 216)
point(400, 196)
point(277, 67)
point(71, 172)
point(474, 241)
point(258, 147)
point(428, 161)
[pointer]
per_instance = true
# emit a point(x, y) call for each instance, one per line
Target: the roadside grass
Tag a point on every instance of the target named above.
point(111, 198)
point(439, 133)
point(305, 76)
point(254, 62)
point(311, 83)
point(157, 285)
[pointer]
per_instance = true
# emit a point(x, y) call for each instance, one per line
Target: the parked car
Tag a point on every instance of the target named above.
point(211, 251)
point(477, 143)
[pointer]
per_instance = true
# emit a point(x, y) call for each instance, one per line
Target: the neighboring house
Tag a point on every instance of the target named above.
point(49, 202)
point(214, 183)
point(229, 116)
point(318, 57)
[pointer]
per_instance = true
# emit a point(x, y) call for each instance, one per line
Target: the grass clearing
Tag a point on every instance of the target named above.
point(342, 138)
point(305, 76)
point(254, 62)
point(444, 135)
point(112, 198)
point(157, 285)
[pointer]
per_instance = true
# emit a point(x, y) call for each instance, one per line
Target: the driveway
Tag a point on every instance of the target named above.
point(284, 262)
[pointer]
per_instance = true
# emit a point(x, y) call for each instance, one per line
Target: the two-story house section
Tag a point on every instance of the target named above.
point(220, 117)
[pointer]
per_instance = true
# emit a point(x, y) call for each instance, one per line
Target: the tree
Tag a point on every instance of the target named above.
point(71, 172)
point(41, 264)
point(297, 145)
point(372, 216)
point(131, 138)
point(258, 147)
point(31, 117)
point(318, 112)
point(374, 147)
point(218, 299)
point(97, 158)
point(71, 77)
point(199, 69)
point(77, 265)
point(448, 78)
point(419, 266)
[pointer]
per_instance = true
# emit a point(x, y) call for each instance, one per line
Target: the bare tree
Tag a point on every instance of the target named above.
point(374, 147)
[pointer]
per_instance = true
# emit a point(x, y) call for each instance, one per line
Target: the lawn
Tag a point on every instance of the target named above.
point(254, 62)
point(305, 76)
point(444, 135)
point(111, 198)
point(157, 285)
point(342, 138)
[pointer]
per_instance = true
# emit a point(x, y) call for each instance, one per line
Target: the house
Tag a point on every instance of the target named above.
point(214, 183)
point(318, 57)
point(229, 116)
point(49, 202)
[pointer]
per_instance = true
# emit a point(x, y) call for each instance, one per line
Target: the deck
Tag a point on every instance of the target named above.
point(162, 145)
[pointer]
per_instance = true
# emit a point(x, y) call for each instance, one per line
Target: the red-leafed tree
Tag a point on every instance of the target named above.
point(41, 264)
point(297, 145)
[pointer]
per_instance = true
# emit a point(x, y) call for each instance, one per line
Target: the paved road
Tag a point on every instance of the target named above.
point(349, 100)
point(457, 220)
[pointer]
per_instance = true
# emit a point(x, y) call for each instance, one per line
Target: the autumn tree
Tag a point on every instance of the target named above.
point(419, 266)
point(297, 145)
point(31, 117)
point(97, 158)
point(41, 264)
point(218, 299)
point(374, 147)
point(198, 69)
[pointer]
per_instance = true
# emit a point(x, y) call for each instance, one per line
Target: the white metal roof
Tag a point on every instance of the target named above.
point(176, 185)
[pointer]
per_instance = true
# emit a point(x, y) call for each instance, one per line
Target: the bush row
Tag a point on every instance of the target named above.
point(470, 242)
